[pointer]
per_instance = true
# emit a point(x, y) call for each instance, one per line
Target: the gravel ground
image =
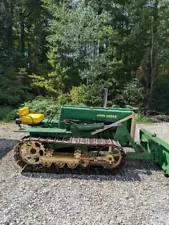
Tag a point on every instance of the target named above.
point(140, 195)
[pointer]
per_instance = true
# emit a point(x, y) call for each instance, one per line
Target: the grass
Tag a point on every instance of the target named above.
point(145, 119)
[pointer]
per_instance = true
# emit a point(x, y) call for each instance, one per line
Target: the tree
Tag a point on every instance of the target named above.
point(22, 47)
point(80, 42)
point(64, 45)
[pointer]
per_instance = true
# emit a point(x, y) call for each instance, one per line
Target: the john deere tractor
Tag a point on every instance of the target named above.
point(86, 136)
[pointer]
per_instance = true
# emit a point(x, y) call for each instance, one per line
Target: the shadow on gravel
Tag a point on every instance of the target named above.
point(130, 173)
point(6, 145)
point(86, 176)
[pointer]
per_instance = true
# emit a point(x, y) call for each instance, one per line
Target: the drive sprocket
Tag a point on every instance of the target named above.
point(29, 152)
point(115, 157)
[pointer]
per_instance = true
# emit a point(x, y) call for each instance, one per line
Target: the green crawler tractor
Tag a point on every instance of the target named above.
point(86, 136)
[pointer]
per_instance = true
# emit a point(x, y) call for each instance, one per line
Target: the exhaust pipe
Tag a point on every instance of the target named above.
point(105, 94)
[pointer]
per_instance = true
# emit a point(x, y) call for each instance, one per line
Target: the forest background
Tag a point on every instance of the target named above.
point(55, 52)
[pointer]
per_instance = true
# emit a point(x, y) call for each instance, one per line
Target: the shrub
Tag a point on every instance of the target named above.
point(132, 94)
point(78, 95)
point(7, 114)
point(47, 106)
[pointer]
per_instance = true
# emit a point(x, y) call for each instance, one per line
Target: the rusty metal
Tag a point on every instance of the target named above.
point(113, 158)
point(79, 141)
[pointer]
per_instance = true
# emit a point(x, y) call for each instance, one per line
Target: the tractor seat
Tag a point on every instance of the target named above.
point(29, 118)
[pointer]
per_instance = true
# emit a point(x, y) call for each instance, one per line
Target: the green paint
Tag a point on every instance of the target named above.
point(38, 129)
point(123, 136)
point(94, 114)
point(158, 149)
point(82, 121)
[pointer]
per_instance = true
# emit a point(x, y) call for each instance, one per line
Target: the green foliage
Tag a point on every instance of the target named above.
point(63, 99)
point(78, 95)
point(80, 41)
point(13, 86)
point(132, 94)
point(94, 94)
point(102, 49)
point(160, 96)
point(22, 48)
point(47, 106)
point(53, 82)
point(7, 114)
point(70, 50)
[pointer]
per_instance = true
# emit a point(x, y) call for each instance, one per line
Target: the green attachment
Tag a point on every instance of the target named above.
point(159, 149)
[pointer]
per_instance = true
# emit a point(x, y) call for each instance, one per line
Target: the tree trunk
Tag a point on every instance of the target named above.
point(22, 33)
point(153, 52)
point(9, 29)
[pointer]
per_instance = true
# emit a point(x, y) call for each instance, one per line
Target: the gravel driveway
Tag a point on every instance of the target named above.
point(138, 196)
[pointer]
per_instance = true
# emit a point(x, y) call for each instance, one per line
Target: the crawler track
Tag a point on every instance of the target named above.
point(73, 141)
